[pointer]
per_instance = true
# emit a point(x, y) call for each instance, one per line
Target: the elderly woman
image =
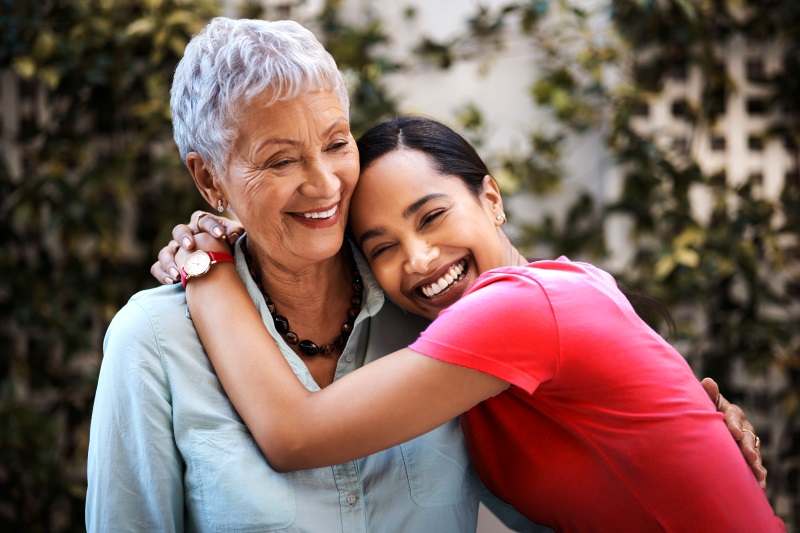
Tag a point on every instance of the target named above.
point(260, 112)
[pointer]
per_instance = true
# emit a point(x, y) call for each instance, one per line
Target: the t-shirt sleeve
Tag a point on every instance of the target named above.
point(505, 328)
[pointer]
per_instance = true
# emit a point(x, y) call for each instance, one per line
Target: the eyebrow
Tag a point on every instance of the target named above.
point(371, 234)
point(416, 206)
point(339, 122)
point(409, 211)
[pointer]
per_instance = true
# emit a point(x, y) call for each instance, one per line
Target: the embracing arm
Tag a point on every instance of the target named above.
point(395, 399)
point(184, 239)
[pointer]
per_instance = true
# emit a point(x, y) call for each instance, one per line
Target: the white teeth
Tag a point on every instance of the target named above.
point(322, 214)
point(450, 277)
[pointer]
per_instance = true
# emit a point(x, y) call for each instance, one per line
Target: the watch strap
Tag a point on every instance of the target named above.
point(216, 257)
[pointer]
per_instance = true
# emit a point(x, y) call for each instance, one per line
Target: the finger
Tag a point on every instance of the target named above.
point(233, 230)
point(184, 235)
point(761, 475)
point(712, 389)
point(161, 276)
point(759, 472)
point(210, 224)
point(735, 420)
point(168, 262)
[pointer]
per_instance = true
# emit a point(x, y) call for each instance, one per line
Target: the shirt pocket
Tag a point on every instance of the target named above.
point(239, 492)
point(439, 469)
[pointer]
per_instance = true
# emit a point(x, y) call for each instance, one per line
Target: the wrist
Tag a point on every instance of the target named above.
point(200, 263)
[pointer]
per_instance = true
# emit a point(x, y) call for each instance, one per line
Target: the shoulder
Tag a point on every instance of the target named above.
point(147, 308)
point(136, 333)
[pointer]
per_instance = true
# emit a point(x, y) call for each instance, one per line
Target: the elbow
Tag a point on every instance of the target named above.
point(285, 452)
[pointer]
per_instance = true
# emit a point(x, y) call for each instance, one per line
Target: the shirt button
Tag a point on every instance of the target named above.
point(351, 499)
point(348, 358)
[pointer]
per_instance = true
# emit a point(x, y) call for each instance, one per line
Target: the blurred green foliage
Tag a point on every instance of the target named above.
point(99, 185)
point(92, 186)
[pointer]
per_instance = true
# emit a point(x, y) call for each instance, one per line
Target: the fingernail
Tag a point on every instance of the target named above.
point(168, 280)
point(174, 272)
point(187, 242)
point(217, 231)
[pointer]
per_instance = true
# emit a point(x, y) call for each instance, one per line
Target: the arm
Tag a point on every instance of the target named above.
point(392, 400)
point(134, 470)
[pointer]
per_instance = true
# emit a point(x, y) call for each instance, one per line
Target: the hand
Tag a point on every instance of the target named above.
point(224, 230)
point(741, 430)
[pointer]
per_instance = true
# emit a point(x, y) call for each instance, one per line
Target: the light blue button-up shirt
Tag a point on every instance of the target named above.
point(168, 452)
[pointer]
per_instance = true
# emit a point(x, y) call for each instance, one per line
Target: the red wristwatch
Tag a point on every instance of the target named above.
point(199, 262)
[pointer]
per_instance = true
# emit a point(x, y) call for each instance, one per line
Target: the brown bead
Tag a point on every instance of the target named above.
point(355, 301)
point(281, 324)
point(326, 349)
point(271, 308)
point(353, 313)
point(292, 338)
point(338, 341)
point(347, 328)
point(308, 347)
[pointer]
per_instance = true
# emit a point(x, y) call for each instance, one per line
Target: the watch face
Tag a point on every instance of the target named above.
point(197, 263)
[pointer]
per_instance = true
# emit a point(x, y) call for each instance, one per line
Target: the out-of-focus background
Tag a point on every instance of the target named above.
point(657, 138)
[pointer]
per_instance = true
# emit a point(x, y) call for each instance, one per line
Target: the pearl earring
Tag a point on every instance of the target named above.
point(220, 207)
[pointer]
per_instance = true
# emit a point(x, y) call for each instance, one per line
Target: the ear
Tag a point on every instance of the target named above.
point(491, 194)
point(204, 179)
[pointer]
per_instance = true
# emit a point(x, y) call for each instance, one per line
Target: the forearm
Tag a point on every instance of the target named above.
point(253, 372)
point(399, 397)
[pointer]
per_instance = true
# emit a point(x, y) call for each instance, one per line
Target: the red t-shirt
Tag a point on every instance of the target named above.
point(604, 426)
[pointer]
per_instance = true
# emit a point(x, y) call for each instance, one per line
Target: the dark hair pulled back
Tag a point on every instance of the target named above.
point(450, 153)
point(453, 155)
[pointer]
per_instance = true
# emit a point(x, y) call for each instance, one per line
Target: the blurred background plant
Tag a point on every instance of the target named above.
point(91, 185)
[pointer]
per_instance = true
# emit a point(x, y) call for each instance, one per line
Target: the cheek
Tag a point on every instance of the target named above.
point(349, 170)
point(388, 278)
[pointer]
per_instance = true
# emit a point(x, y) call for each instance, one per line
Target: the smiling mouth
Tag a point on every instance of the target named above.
point(321, 214)
point(450, 278)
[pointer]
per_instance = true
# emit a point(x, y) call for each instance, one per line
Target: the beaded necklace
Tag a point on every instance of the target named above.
point(306, 346)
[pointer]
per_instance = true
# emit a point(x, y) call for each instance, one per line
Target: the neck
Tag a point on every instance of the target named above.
point(512, 256)
point(313, 307)
point(302, 287)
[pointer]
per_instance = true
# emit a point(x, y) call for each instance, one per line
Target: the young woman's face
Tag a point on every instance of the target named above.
point(426, 236)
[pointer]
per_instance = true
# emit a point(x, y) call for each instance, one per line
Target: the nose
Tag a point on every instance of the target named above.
point(321, 180)
point(419, 256)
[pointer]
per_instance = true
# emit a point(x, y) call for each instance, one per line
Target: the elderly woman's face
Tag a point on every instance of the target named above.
point(291, 176)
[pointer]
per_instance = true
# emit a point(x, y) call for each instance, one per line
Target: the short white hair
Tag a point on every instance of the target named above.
point(229, 63)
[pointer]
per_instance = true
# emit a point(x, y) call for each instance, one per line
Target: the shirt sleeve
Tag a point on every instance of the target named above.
point(504, 327)
point(134, 470)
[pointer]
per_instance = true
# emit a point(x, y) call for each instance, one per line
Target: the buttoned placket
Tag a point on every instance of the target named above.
point(346, 475)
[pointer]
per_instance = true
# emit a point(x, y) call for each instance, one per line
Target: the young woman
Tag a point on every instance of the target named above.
point(575, 411)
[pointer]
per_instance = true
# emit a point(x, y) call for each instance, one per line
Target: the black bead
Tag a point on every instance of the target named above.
point(308, 347)
point(281, 324)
